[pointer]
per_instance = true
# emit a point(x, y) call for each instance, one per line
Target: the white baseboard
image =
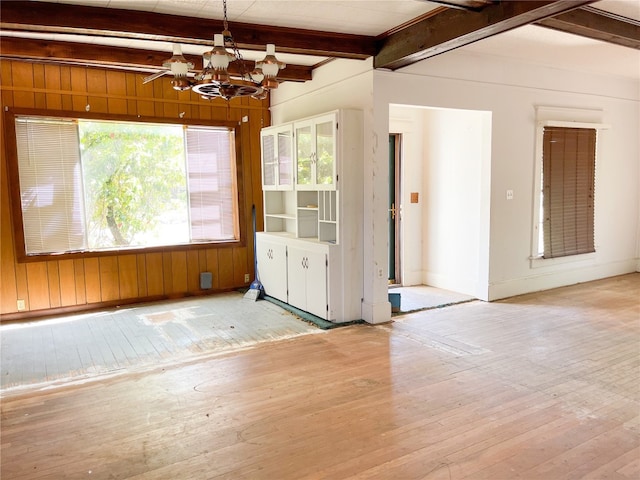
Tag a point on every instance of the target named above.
point(411, 278)
point(549, 280)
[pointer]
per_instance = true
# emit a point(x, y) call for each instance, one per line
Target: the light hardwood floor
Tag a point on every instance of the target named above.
point(542, 386)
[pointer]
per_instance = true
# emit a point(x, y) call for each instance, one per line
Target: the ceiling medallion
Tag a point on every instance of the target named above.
point(214, 80)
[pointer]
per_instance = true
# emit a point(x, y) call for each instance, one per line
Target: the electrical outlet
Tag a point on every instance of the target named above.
point(380, 273)
point(509, 194)
point(21, 305)
point(247, 278)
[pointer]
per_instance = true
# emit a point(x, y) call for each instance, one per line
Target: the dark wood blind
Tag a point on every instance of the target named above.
point(568, 179)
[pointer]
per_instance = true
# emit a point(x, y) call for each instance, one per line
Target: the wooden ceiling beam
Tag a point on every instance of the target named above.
point(116, 57)
point(597, 24)
point(453, 28)
point(121, 23)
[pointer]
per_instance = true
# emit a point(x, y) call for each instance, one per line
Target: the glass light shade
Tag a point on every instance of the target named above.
point(219, 57)
point(178, 65)
point(179, 69)
point(270, 64)
point(257, 75)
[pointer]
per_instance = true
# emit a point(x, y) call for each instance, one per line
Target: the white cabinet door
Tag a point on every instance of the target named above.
point(325, 132)
point(317, 284)
point(305, 154)
point(269, 160)
point(297, 276)
point(277, 157)
point(284, 146)
point(272, 267)
point(307, 275)
point(315, 141)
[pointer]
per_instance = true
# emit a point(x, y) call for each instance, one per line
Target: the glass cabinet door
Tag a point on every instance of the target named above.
point(269, 161)
point(325, 152)
point(285, 159)
point(304, 155)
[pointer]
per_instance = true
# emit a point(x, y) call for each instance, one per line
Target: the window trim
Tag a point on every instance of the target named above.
point(13, 180)
point(588, 119)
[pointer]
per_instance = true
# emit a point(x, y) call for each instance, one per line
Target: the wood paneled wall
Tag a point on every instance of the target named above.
point(56, 286)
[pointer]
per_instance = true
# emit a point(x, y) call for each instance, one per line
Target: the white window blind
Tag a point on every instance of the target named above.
point(210, 178)
point(50, 185)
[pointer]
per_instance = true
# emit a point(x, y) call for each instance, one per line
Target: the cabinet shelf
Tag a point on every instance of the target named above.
point(286, 216)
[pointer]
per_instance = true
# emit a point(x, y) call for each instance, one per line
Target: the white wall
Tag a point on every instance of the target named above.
point(458, 194)
point(511, 90)
point(339, 84)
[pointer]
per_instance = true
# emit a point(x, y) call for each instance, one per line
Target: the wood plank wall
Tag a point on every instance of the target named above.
point(50, 287)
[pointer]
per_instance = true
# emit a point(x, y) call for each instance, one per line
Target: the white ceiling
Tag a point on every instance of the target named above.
point(553, 48)
point(364, 17)
point(548, 47)
point(374, 17)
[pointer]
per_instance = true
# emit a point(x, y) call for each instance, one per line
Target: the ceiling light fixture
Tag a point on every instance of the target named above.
point(215, 80)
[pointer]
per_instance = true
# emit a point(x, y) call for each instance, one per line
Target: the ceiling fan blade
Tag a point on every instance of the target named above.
point(152, 77)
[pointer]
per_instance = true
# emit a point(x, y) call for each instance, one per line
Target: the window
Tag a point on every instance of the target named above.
point(88, 185)
point(568, 177)
point(569, 142)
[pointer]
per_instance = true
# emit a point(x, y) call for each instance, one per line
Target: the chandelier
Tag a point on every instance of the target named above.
point(215, 80)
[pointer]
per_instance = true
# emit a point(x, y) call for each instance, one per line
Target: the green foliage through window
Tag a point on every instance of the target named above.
point(134, 178)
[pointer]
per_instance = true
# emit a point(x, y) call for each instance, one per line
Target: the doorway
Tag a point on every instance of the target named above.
point(395, 214)
point(441, 158)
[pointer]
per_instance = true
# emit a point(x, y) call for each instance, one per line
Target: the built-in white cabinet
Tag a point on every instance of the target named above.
point(318, 221)
point(277, 157)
